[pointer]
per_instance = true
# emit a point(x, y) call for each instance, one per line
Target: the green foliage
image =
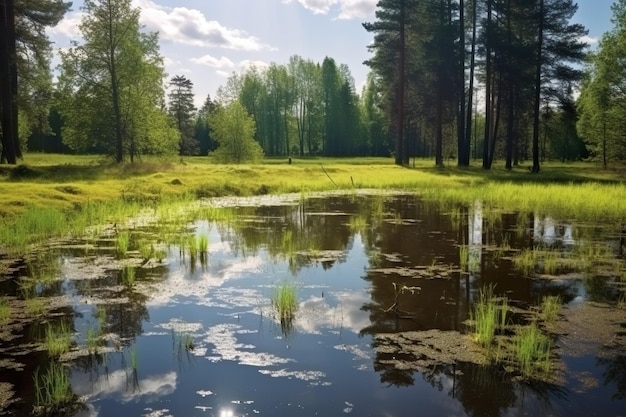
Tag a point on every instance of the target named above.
point(122, 241)
point(551, 307)
point(532, 350)
point(488, 315)
point(182, 109)
point(234, 129)
point(110, 87)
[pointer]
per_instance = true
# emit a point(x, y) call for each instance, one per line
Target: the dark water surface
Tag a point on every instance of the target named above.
point(343, 254)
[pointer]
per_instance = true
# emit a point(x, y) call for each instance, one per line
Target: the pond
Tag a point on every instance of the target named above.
point(181, 317)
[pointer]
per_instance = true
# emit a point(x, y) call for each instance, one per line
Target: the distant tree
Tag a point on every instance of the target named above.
point(233, 129)
point(111, 86)
point(202, 133)
point(182, 109)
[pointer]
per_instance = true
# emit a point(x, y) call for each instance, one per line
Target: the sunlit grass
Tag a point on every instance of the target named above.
point(532, 350)
point(122, 242)
point(35, 306)
point(357, 223)
point(129, 276)
point(488, 315)
point(551, 308)
point(52, 388)
point(525, 261)
point(58, 338)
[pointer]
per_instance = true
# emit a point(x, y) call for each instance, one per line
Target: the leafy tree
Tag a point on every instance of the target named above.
point(602, 102)
point(182, 109)
point(25, 80)
point(233, 129)
point(111, 85)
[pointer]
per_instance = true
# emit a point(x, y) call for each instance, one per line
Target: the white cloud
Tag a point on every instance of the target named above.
point(248, 63)
point(211, 61)
point(348, 9)
point(68, 26)
point(191, 27)
point(589, 40)
point(224, 74)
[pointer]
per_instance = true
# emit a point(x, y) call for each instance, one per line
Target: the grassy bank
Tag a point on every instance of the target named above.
point(47, 193)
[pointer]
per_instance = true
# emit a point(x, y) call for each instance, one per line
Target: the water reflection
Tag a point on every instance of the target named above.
point(350, 257)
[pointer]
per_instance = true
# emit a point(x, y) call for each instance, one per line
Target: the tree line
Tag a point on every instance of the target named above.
point(488, 79)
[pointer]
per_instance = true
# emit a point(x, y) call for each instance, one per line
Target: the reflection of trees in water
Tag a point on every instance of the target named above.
point(615, 373)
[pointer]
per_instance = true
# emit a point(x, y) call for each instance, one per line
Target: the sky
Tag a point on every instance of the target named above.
point(206, 40)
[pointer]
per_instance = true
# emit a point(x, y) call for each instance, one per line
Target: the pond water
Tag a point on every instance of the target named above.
point(198, 335)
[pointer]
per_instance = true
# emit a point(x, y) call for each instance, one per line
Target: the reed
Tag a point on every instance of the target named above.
point(550, 262)
point(58, 339)
point(532, 350)
point(52, 388)
point(285, 300)
point(93, 338)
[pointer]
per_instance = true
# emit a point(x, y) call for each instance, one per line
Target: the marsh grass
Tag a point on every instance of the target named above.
point(122, 242)
point(129, 276)
point(203, 243)
point(133, 358)
point(58, 338)
point(525, 261)
point(93, 339)
point(551, 308)
point(52, 388)
point(489, 316)
point(35, 306)
point(551, 260)
point(285, 300)
point(5, 310)
point(532, 350)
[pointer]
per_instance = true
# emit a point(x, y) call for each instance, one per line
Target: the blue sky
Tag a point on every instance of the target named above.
point(206, 40)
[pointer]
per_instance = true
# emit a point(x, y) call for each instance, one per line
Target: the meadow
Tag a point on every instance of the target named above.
point(52, 195)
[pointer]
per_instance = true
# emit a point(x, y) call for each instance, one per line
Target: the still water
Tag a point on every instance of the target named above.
point(197, 335)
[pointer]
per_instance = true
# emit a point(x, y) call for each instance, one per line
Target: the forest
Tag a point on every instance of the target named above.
point(455, 81)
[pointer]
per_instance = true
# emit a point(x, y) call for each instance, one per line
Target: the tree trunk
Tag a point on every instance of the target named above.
point(537, 103)
point(468, 125)
point(488, 81)
point(401, 140)
point(8, 85)
point(115, 93)
point(462, 148)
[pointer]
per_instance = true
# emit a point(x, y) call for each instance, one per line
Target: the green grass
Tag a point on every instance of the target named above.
point(489, 316)
point(357, 223)
point(203, 243)
point(35, 306)
point(133, 357)
point(122, 242)
point(525, 261)
point(532, 350)
point(551, 308)
point(285, 300)
point(5, 311)
point(52, 389)
point(93, 339)
point(53, 197)
point(129, 276)
point(58, 339)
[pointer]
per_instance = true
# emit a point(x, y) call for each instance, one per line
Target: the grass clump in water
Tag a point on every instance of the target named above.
point(532, 350)
point(551, 308)
point(129, 276)
point(52, 388)
point(122, 243)
point(525, 262)
point(58, 339)
point(285, 300)
point(489, 316)
point(35, 306)
point(463, 257)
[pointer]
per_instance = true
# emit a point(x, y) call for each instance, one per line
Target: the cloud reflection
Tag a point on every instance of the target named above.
point(116, 385)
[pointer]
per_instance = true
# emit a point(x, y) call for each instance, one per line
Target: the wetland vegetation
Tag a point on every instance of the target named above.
point(425, 278)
